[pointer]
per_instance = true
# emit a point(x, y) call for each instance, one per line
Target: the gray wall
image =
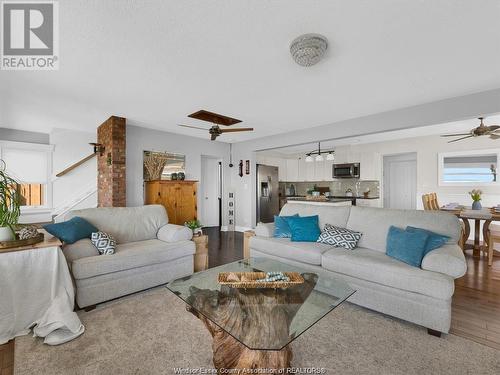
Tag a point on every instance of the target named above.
point(140, 139)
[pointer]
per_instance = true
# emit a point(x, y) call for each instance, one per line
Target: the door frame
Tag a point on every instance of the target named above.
point(383, 180)
point(201, 193)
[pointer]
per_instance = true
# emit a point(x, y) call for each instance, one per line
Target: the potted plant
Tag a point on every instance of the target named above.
point(10, 202)
point(476, 199)
point(195, 226)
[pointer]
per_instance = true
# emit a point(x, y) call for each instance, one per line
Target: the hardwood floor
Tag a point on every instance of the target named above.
point(223, 247)
point(7, 358)
point(476, 303)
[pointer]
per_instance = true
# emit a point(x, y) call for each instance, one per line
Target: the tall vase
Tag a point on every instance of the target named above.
point(6, 234)
point(476, 205)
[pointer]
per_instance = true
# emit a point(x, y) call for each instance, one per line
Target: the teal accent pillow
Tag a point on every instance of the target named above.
point(281, 227)
point(433, 242)
point(72, 230)
point(408, 247)
point(304, 228)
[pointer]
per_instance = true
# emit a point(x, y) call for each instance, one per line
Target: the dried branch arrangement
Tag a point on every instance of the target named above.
point(155, 163)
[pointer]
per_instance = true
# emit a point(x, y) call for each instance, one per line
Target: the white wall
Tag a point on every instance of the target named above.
point(454, 109)
point(141, 139)
point(70, 146)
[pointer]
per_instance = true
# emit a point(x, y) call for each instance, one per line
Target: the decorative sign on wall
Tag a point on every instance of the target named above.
point(240, 172)
point(247, 167)
point(230, 211)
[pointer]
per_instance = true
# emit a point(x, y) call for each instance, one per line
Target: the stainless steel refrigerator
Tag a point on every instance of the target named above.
point(267, 193)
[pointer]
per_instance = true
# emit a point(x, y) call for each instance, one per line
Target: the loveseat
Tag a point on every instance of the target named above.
point(149, 252)
point(418, 295)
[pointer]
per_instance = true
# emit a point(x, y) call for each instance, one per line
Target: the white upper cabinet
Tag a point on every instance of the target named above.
point(302, 176)
point(311, 171)
point(328, 170)
point(292, 170)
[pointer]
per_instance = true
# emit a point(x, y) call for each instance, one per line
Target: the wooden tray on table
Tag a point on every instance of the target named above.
point(250, 280)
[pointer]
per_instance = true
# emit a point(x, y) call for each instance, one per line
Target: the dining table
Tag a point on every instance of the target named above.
point(466, 214)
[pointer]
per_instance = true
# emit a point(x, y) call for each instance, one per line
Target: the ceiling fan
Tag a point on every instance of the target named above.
point(492, 130)
point(217, 120)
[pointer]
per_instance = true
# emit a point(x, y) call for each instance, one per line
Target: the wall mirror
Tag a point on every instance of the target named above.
point(161, 165)
point(467, 168)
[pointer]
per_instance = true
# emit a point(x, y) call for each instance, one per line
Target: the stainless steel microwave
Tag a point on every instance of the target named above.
point(347, 170)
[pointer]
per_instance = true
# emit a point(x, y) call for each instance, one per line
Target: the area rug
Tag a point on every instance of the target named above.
point(152, 333)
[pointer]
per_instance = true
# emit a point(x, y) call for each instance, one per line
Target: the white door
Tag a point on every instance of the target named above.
point(210, 189)
point(400, 181)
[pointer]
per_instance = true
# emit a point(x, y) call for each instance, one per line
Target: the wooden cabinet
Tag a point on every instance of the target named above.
point(178, 197)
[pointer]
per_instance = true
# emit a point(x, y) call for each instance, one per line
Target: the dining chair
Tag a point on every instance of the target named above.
point(430, 201)
point(494, 238)
point(426, 201)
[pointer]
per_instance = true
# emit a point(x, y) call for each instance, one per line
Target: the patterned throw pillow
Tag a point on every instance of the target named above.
point(104, 243)
point(339, 237)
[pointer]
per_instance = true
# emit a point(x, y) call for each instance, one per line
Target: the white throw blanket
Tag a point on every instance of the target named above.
point(36, 291)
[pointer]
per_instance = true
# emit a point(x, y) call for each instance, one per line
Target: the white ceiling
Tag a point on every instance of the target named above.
point(435, 130)
point(155, 62)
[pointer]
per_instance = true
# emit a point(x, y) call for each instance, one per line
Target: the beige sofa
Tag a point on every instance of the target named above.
point(149, 252)
point(419, 295)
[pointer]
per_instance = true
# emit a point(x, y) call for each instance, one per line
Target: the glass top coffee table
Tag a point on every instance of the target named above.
point(252, 328)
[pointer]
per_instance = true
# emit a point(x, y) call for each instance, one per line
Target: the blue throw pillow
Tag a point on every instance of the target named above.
point(304, 228)
point(72, 230)
point(408, 247)
point(433, 242)
point(281, 227)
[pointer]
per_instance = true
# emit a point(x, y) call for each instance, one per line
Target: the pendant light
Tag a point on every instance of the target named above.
point(330, 156)
point(309, 158)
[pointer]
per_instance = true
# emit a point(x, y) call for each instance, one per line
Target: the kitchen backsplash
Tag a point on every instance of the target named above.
point(338, 187)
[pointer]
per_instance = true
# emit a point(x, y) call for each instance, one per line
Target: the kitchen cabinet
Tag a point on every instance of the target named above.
point(292, 170)
point(319, 171)
point(311, 171)
point(178, 198)
point(302, 175)
point(282, 170)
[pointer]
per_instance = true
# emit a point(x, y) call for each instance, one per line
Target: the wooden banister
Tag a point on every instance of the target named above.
point(76, 165)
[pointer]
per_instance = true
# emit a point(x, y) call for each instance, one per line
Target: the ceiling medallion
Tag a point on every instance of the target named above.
point(308, 49)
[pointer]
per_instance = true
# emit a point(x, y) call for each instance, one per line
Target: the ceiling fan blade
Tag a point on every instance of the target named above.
point(236, 130)
point(493, 128)
point(192, 127)
point(494, 136)
point(454, 135)
point(459, 139)
point(213, 137)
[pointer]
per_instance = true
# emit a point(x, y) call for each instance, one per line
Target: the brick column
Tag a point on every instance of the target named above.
point(111, 182)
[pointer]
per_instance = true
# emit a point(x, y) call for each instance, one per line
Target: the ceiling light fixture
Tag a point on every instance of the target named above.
point(308, 49)
point(319, 155)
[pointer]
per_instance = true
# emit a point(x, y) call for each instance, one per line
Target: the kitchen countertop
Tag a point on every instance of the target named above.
point(331, 200)
point(355, 197)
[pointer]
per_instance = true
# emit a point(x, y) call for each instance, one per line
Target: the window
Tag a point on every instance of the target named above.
point(469, 168)
point(30, 165)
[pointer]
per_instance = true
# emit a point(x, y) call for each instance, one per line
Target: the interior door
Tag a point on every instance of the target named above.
point(210, 190)
point(400, 181)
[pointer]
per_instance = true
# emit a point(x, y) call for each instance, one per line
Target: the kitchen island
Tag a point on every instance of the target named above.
point(330, 201)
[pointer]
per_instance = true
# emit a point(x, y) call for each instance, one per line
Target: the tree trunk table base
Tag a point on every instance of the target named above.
point(260, 318)
point(229, 353)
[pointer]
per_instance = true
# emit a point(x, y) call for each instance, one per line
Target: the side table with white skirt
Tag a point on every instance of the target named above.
point(36, 292)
